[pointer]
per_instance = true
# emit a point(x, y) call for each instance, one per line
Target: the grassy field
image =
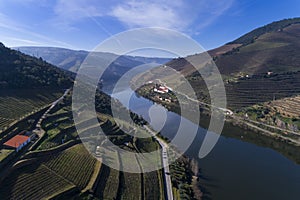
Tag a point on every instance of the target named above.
point(15, 103)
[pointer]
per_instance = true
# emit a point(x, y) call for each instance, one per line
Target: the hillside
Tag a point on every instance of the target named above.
point(27, 84)
point(275, 50)
point(273, 47)
point(273, 27)
point(256, 67)
point(18, 70)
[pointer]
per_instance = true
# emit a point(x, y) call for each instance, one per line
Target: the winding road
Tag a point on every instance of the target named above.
point(38, 129)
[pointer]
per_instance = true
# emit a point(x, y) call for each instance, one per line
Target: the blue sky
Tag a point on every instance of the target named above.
point(83, 24)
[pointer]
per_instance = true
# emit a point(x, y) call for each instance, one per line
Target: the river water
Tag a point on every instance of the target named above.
point(235, 169)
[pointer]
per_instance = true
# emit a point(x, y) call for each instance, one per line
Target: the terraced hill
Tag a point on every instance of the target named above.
point(287, 107)
point(27, 84)
point(33, 182)
point(256, 67)
point(47, 176)
point(273, 47)
point(16, 103)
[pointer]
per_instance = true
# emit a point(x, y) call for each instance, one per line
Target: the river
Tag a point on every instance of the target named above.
point(235, 169)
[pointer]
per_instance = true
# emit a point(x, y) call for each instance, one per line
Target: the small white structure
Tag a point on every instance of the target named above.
point(161, 89)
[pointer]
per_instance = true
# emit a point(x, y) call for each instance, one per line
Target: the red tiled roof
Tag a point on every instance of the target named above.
point(16, 141)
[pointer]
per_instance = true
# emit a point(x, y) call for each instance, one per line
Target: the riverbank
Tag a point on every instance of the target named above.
point(234, 167)
point(236, 127)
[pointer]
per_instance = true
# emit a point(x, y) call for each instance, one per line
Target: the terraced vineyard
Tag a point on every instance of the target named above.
point(288, 106)
point(153, 179)
point(74, 164)
point(59, 127)
point(261, 89)
point(73, 167)
point(17, 103)
point(109, 184)
point(78, 167)
point(253, 90)
point(131, 186)
point(33, 182)
point(4, 122)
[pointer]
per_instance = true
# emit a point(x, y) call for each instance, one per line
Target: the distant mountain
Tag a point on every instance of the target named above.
point(18, 70)
point(71, 60)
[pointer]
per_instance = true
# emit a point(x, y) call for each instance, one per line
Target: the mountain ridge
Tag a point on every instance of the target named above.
point(64, 58)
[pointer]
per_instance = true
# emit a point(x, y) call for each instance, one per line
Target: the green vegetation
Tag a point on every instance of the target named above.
point(153, 185)
point(4, 153)
point(59, 128)
point(50, 175)
point(33, 182)
point(111, 185)
point(181, 176)
point(17, 103)
point(51, 171)
point(131, 186)
point(75, 164)
point(18, 70)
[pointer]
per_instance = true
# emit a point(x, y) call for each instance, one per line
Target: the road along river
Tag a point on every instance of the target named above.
point(235, 169)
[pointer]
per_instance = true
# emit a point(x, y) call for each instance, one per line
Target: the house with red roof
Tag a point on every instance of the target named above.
point(18, 142)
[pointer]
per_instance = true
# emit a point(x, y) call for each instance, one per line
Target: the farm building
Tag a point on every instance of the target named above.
point(18, 142)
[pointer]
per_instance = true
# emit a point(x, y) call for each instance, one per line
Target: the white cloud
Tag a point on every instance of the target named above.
point(188, 16)
point(182, 15)
point(72, 10)
point(69, 12)
point(154, 13)
point(177, 14)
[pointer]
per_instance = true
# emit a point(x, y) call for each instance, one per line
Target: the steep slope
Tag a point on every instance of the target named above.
point(272, 27)
point(27, 84)
point(273, 47)
point(18, 70)
point(276, 50)
point(257, 67)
